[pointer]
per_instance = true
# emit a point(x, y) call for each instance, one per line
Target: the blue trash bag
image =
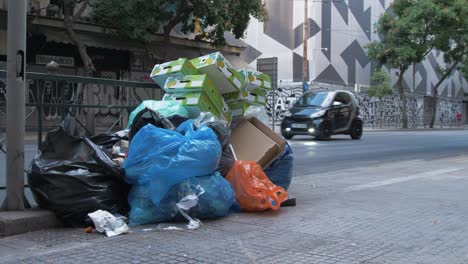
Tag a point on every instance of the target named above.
point(165, 108)
point(161, 158)
point(216, 201)
point(280, 172)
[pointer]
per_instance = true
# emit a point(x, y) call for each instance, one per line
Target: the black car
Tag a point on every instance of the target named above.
point(322, 114)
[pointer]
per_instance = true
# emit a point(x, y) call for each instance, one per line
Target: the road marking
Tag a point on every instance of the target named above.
point(400, 179)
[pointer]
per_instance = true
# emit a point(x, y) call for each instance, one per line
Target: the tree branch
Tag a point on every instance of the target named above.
point(446, 74)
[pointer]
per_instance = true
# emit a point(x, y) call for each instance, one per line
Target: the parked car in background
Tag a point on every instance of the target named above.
point(322, 114)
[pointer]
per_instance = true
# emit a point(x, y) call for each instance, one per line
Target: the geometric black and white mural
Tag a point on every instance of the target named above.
point(339, 30)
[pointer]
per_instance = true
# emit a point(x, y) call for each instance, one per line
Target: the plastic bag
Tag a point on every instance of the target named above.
point(220, 127)
point(165, 108)
point(215, 202)
point(163, 158)
point(280, 172)
point(258, 112)
point(254, 192)
point(226, 162)
point(177, 120)
point(72, 176)
point(106, 222)
point(148, 116)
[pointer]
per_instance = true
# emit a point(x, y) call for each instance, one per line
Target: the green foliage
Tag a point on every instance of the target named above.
point(406, 32)
point(139, 19)
point(381, 85)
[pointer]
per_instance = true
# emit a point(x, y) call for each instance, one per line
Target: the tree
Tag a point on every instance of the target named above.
point(145, 18)
point(381, 87)
point(406, 39)
point(69, 18)
point(451, 37)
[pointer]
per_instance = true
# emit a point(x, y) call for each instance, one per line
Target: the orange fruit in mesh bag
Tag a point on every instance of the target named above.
point(253, 190)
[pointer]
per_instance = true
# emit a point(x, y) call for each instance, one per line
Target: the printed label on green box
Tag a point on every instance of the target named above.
point(195, 83)
point(225, 77)
point(178, 68)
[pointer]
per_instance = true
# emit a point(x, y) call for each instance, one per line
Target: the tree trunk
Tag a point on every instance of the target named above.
point(85, 58)
point(68, 20)
point(401, 92)
point(435, 93)
point(166, 44)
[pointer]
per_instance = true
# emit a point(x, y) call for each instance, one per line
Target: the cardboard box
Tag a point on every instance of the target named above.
point(255, 96)
point(225, 77)
point(253, 140)
point(226, 112)
point(192, 84)
point(238, 107)
point(255, 79)
point(195, 103)
point(255, 99)
point(178, 68)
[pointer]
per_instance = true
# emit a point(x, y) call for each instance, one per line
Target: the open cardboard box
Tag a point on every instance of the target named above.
point(253, 140)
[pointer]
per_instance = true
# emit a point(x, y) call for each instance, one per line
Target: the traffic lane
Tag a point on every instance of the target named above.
point(312, 156)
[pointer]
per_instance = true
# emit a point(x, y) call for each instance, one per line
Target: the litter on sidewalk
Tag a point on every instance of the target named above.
point(203, 152)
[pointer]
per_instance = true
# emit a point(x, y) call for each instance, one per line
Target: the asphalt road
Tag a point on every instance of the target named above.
point(340, 152)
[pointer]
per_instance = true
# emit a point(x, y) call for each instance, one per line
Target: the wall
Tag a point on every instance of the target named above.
point(376, 113)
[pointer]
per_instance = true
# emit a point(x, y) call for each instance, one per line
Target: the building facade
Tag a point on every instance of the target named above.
point(337, 57)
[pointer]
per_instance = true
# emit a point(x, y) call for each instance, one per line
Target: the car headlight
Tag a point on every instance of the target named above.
point(287, 114)
point(318, 114)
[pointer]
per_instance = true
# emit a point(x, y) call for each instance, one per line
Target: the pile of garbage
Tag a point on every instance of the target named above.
point(202, 152)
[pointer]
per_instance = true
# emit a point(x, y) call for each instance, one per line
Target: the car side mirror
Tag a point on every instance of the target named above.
point(337, 104)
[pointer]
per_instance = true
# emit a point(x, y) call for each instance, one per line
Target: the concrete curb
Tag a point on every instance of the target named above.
point(18, 222)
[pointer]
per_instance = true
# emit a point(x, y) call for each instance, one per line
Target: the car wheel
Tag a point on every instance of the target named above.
point(325, 131)
point(356, 130)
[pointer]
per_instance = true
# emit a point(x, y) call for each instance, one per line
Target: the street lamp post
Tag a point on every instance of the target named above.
point(16, 77)
point(305, 66)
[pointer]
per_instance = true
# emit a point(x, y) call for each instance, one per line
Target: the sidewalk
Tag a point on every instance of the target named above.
point(362, 215)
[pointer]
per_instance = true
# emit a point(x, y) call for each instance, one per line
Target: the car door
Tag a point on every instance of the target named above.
point(347, 111)
point(342, 112)
point(336, 116)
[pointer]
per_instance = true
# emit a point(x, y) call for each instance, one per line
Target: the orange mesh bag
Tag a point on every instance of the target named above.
point(254, 191)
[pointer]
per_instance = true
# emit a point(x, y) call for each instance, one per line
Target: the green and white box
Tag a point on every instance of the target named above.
point(226, 112)
point(255, 96)
point(195, 83)
point(178, 68)
point(255, 79)
point(225, 77)
point(195, 103)
point(239, 107)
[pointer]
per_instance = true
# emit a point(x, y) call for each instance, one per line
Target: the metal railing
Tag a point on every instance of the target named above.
point(97, 104)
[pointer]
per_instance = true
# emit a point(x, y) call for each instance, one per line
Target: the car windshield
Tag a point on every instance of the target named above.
point(313, 99)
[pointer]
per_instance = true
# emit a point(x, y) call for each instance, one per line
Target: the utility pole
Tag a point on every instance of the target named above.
point(16, 73)
point(414, 98)
point(305, 64)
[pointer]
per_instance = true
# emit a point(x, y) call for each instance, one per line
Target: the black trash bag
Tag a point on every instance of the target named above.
point(226, 162)
point(220, 127)
point(107, 141)
point(149, 116)
point(72, 176)
point(280, 172)
point(177, 120)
